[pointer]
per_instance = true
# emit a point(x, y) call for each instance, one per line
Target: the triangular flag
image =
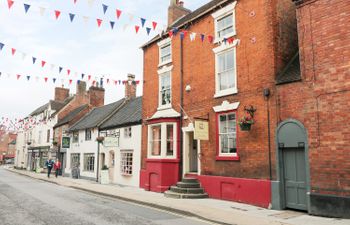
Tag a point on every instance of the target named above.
point(137, 29)
point(54, 80)
point(34, 59)
point(75, 1)
point(10, 3)
point(28, 78)
point(70, 81)
point(193, 36)
point(99, 21)
point(112, 24)
point(131, 17)
point(148, 30)
point(13, 51)
point(60, 69)
point(107, 80)
point(170, 33)
point(71, 17)
point(45, 79)
point(115, 82)
point(202, 37)
point(82, 76)
point(18, 76)
point(154, 25)
point(24, 55)
point(78, 81)
point(68, 71)
point(26, 7)
point(210, 38)
point(125, 26)
point(86, 19)
point(1, 46)
point(52, 66)
point(91, 2)
point(43, 63)
point(105, 7)
point(182, 35)
point(143, 21)
point(42, 11)
point(89, 77)
point(57, 14)
point(119, 13)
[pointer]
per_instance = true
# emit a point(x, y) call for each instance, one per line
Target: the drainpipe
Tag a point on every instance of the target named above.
point(181, 105)
point(267, 95)
point(98, 156)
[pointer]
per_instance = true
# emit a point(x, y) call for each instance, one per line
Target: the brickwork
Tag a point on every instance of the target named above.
point(176, 10)
point(321, 100)
point(257, 64)
point(61, 94)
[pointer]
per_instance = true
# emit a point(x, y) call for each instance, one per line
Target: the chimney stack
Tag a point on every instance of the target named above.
point(130, 87)
point(96, 96)
point(61, 93)
point(176, 10)
point(81, 88)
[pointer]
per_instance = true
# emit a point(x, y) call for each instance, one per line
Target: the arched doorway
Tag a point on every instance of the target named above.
point(292, 166)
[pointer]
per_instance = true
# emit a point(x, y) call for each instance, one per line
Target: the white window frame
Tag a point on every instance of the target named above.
point(161, 45)
point(87, 155)
point(161, 73)
point(163, 142)
point(221, 154)
point(219, 50)
point(127, 132)
point(229, 9)
point(122, 165)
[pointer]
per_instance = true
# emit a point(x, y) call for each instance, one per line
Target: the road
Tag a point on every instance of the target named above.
point(26, 201)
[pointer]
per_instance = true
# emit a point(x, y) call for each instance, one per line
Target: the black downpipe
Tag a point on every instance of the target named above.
point(181, 107)
point(269, 135)
point(98, 157)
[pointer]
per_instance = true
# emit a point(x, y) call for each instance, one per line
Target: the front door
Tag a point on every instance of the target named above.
point(294, 177)
point(193, 154)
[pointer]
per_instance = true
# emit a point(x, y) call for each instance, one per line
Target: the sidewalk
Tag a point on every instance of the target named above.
point(213, 210)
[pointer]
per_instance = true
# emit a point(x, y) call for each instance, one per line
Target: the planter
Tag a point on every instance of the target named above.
point(104, 177)
point(100, 139)
point(245, 126)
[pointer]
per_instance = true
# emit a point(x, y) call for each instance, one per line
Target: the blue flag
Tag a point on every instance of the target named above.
point(34, 59)
point(105, 7)
point(28, 77)
point(143, 21)
point(112, 24)
point(71, 17)
point(82, 76)
point(148, 30)
point(54, 80)
point(1, 46)
point(26, 7)
point(78, 81)
point(60, 69)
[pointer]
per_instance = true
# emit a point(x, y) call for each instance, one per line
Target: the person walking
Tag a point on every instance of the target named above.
point(49, 164)
point(57, 167)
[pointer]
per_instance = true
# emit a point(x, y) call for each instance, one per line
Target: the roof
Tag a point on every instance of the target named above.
point(71, 115)
point(130, 113)
point(55, 105)
point(40, 109)
point(291, 72)
point(95, 117)
point(201, 11)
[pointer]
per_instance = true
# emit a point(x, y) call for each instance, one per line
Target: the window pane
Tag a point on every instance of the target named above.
point(229, 60)
point(165, 92)
point(227, 135)
point(170, 140)
point(223, 128)
point(156, 140)
point(225, 25)
point(224, 142)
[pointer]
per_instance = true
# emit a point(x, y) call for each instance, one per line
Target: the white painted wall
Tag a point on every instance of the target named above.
point(20, 159)
point(133, 143)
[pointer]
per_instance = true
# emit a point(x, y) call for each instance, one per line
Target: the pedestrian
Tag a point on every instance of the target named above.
point(57, 167)
point(49, 164)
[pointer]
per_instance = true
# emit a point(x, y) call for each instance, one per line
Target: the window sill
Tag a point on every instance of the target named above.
point(164, 63)
point(126, 175)
point(225, 93)
point(164, 107)
point(227, 158)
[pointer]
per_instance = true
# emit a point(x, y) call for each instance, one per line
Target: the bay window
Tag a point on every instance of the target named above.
point(162, 140)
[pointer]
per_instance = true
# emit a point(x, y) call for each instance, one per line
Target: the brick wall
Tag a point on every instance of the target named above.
point(256, 68)
point(321, 100)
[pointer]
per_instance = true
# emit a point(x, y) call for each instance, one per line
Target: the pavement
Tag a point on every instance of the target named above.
point(211, 210)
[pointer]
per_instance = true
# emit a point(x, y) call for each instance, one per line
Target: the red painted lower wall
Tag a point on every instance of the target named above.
point(159, 175)
point(251, 191)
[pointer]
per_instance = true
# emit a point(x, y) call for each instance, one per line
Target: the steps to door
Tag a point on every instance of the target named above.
point(187, 188)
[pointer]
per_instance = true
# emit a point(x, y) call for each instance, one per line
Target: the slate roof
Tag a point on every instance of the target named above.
point(291, 72)
point(55, 105)
point(96, 116)
point(70, 116)
point(40, 109)
point(129, 114)
point(192, 16)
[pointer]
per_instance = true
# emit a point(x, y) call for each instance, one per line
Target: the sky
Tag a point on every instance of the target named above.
point(80, 46)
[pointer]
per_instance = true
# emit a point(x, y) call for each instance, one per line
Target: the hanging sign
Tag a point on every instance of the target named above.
point(65, 142)
point(201, 130)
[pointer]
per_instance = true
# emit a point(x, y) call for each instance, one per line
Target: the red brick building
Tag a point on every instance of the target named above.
point(188, 82)
point(7, 146)
point(318, 106)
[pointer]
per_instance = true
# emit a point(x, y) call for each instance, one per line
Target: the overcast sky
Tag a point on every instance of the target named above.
point(80, 46)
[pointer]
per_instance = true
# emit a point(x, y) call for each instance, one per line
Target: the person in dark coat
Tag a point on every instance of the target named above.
point(49, 164)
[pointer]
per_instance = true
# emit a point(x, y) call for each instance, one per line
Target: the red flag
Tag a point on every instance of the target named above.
point(170, 33)
point(119, 12)
point(68, 72)
point(154, 24)
point(13, 51)
point(107, 80)
point(93, 83)
point(10, 3)
point(45, 79)
point(137, 29)
point(57, 14)
point(18, 76)
point(210, 38)
point(70, 81)
point(99, 21)
point(230, 40)
point(137, 82)
point(43, 63)
point(75, 1)
point(115, 82)
point(89, 77)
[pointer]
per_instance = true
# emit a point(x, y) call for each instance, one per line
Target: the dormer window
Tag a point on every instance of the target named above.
point(224, 20)
point(165, 52)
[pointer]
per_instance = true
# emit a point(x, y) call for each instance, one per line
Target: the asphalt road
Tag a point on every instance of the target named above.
point(26, 201)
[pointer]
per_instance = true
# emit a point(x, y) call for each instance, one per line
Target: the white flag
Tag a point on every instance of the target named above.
point(131, 16)
point(52, 66)
point(42, 11)
point(86, 19)
point(125, 27)
point(193, 36)
point(91, 2)
point(24, 55)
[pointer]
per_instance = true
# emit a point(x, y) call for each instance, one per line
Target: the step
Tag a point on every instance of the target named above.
point(171, 194)
point(188, 185)
point(189, 180)
point(187, 190)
